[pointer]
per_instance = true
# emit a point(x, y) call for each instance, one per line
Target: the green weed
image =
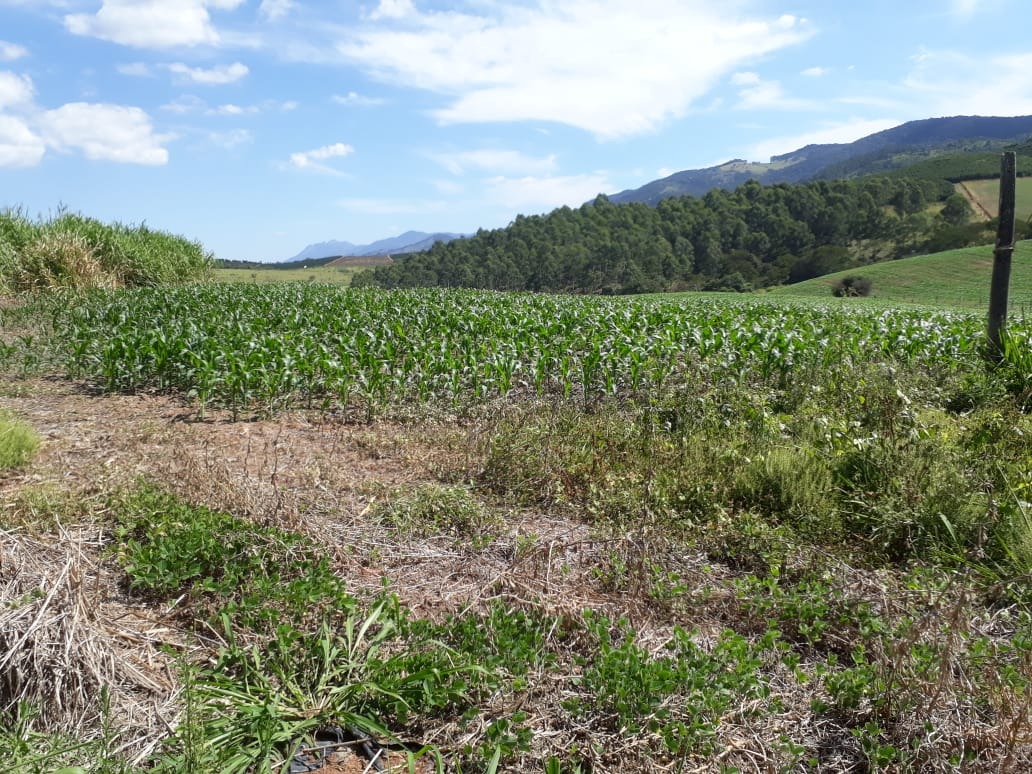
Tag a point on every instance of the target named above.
point(18, 442)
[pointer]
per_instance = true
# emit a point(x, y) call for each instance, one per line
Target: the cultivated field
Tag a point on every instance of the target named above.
point(987, 194)
point(472, 531)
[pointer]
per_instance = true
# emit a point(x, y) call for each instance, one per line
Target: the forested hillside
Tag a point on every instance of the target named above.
point(755, 236)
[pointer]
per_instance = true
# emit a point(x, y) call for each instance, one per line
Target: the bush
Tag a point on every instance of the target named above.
point(851, 287)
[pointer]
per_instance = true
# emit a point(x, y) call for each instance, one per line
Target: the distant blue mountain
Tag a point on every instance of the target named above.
point(409, 242)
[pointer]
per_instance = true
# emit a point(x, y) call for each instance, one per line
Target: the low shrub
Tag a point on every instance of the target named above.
point(849, 287)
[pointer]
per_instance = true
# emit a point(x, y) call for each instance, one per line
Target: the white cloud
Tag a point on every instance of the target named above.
point(186, 103)
point(151, 23)
point(135, 70)
point(538, 194)
point(612, 67)
point(815, 72)
point(312, 159)
point(11, 51)
point(15, 90)
point(498, 161)
point(354, 99)
point(234, 110)
point(754, 93)
point(214, 76)
point(104, 133)
point(190, 103)
point(393, 9)
point(19, 146)
point(949, 83)
point(271, 10)
point(838, 133)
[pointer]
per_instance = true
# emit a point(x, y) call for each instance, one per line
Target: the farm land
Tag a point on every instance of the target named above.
point(987, 194)
point(478, 531)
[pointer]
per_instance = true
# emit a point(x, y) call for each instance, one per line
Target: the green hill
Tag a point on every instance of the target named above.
point(957, 278)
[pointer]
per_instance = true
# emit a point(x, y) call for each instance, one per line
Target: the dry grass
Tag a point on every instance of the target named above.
point(72, 650)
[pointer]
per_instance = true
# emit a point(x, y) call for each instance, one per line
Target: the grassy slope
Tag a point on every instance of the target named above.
point(988, 194)
point(954, 278)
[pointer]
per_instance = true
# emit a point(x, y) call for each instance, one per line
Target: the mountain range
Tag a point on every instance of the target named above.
point(880, 152)
point(925, 140)
point(409, 242)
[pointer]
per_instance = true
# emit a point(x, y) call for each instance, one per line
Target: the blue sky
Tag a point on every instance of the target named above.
point(260, 126)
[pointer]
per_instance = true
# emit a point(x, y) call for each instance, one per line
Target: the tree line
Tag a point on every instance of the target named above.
point(754, 236)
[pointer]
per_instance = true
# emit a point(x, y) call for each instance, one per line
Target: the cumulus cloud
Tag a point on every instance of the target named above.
point(498, 161)
point(151, 23)
point(815, 72)
point(612, 67)
point(11, 51)
point(272, 10)
point(213, 76)
point(104, 133)
point(19, 146)
point(313, 159)
point(15, 90)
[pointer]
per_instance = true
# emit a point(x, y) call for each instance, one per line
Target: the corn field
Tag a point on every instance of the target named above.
point(263, 348)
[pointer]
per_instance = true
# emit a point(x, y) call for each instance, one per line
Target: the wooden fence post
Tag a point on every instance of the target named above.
point(1000, 285)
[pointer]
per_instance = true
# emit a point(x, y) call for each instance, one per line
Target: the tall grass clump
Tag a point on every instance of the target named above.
point(75, 251)
point(18, 442)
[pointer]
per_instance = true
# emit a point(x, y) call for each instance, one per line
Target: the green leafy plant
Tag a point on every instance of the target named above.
point(679, 695)
point(255, 706)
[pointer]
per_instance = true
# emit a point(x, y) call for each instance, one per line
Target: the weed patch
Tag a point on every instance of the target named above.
point(18, 442)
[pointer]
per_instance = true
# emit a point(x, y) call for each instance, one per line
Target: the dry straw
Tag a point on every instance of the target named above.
point(71, 653)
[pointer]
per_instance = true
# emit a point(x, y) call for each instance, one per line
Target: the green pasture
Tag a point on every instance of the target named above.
point(987, 192)
point(955, 278)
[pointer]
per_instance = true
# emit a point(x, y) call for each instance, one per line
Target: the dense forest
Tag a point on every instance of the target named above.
point(755, 236)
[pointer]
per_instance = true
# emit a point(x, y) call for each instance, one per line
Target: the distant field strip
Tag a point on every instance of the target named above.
point(987, 195)
point(262, 347)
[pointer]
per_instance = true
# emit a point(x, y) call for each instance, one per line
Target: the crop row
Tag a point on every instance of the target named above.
point(251, 346)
